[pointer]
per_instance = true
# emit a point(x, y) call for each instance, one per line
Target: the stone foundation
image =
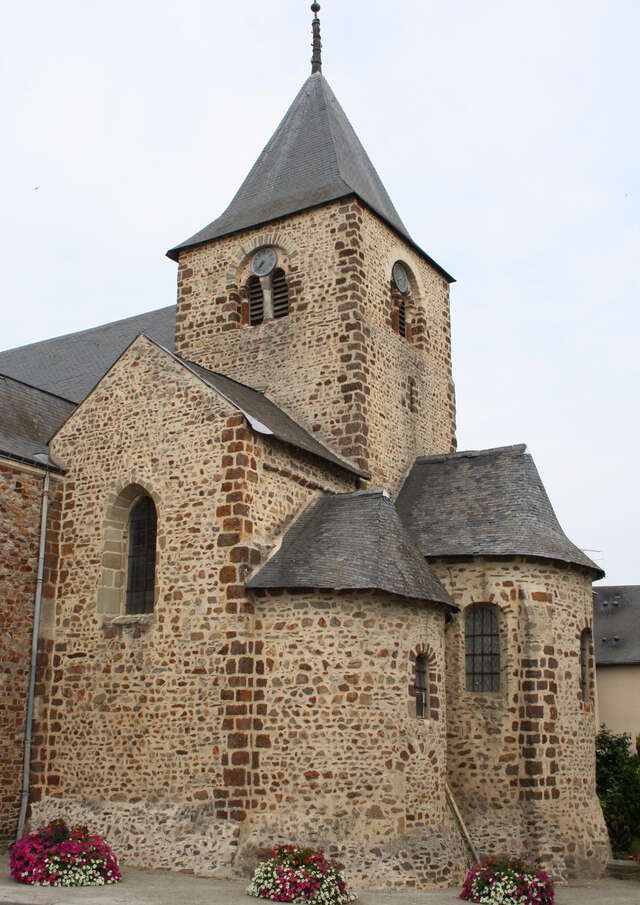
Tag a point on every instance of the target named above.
point(159, 836)
point(190, 838)
point(424, 858)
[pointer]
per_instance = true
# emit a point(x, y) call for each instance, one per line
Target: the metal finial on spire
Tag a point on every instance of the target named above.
point(316, 59)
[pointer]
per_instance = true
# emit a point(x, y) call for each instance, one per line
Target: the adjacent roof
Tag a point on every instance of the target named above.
point(70, 366)
point(484, 503)
point(267, 418)
point(351, 541)
point(313, 157)
point(616, 613)
point(28, 418)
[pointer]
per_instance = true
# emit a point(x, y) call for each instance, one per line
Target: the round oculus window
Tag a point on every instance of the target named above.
point(401, 277)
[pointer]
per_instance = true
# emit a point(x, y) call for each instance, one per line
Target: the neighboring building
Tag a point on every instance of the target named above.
point(277, 604)
point(617, 645)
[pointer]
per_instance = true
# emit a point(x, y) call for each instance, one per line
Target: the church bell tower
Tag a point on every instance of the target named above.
point(310, 287)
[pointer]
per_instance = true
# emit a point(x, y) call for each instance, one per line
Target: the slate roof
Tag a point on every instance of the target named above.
point(616, 613)
point(313, 157)
point(70, 366)
point(267, 418)
point(28, 418)
point(348, 542)
point(489, 503)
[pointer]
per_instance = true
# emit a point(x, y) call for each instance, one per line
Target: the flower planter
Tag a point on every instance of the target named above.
point(56, 855)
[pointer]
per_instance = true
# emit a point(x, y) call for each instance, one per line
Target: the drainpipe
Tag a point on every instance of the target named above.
point(24, 803)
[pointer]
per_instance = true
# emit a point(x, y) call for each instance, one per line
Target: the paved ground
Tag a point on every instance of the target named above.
point(163, 888)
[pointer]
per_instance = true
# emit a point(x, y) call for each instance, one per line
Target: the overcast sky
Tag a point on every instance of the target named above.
point(507, 134)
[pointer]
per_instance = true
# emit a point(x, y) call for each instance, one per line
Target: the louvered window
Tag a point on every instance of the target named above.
point(585, 653)
point(141, 571)
point(420, 687)
point(280, 295)
point(402, 319)
point(256, 302)
point(482, 640)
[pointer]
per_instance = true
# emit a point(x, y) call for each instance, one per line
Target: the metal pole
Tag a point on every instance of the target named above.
point(465, 831)
point(24, 803)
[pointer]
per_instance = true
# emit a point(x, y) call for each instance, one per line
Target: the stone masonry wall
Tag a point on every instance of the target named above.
point(521, 762)
point(334, 362)
point(344, 762)
point(147, 722)
point(20, 502)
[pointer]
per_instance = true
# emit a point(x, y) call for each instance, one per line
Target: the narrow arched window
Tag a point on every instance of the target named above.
point(141, 566)
point(420, 687)
point(256, 301)
point(482, 649)
point(585, 672)
point(402, 318)
point(280, 294)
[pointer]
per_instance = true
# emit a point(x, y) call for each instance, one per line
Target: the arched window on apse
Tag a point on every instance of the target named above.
point(425, 686)
point(482, 649)
point(585, 665)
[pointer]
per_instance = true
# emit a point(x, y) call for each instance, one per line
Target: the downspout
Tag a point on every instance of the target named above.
point(24, 803)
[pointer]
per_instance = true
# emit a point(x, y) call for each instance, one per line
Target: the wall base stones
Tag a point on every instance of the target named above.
point(187, 838)
point(160, 836)
point(425, 858)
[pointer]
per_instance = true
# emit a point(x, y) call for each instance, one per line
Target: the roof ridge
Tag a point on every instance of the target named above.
point(247, 386)
point(516, 448)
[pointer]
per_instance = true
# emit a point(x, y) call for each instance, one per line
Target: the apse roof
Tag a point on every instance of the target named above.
point(314, 157)
point(489, 503)
point(348, 542)
point(616, 624)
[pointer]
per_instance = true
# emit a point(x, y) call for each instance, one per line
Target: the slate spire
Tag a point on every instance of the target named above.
point(314, 157)
point(316, 59)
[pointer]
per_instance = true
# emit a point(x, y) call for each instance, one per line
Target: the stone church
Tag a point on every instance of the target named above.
point(250, 591)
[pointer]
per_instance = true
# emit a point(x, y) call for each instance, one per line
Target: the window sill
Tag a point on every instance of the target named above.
point(142, 619)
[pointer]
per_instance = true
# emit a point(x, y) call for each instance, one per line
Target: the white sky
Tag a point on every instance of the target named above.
point(506, 133)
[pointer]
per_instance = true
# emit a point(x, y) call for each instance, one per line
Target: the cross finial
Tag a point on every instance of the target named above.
point(316, 59)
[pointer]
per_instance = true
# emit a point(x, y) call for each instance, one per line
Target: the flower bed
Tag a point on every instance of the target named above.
point(509, 881)
point(58, 856)
point(295, 874)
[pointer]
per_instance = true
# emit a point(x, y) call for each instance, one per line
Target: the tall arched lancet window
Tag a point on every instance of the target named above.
point(585, 671)
point(256, 301)
point(280, 294)
point(400, 297)
point(482, 649)
point(420, 687)
point(141, 561)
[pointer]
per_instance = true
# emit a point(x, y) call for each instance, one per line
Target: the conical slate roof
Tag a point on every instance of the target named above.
point(352, 541)
point(314, 157)
point(487, 503)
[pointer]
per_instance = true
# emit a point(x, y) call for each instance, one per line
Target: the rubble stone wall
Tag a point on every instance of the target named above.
point(344, 762)
point(521, 762)
point(156, 712)
point(335, 363)
point(20, 502)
